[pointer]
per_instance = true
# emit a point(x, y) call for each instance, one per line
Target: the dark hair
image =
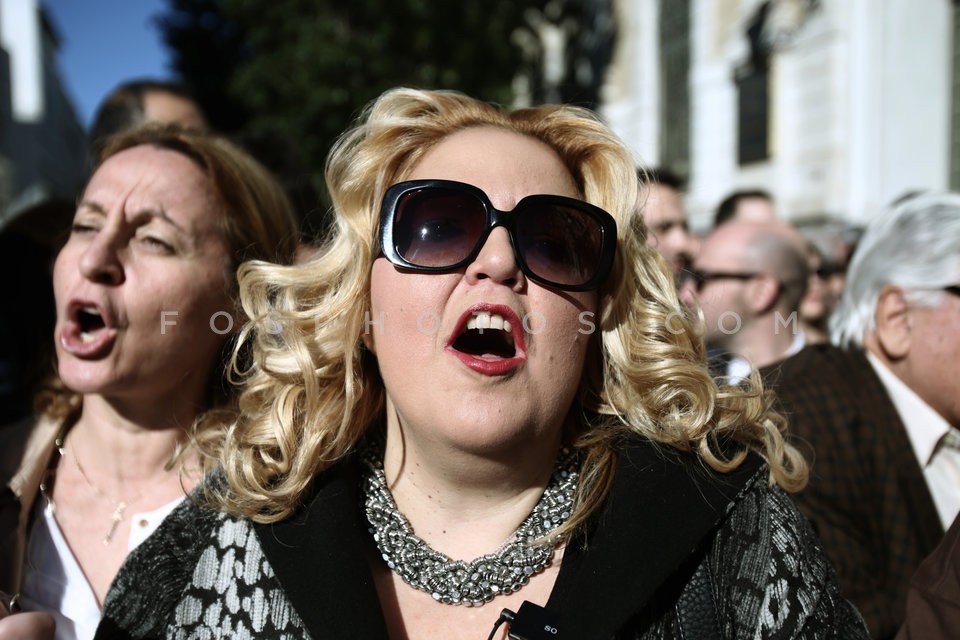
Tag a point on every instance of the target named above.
point(122, 108)
point(662, 175)
point(728, 206)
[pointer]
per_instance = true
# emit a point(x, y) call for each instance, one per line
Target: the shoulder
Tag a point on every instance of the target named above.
point(767, 574)
point(25, 451)
point(648, 472)
point(172, 550)
point(760, 511)
point(772, 577)
point(636, 453)
point(23, 447)
point(832, 397)
point(820, 365)
point(202, 570)
point(155, 574)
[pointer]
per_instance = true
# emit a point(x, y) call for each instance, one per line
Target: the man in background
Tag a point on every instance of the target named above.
point(661, 207)
point(878, 416)
point(135, 102)
point(748, 280)
point(748, 205)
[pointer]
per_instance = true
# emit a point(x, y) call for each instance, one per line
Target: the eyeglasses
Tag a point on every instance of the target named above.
point(440, 225)
point(701, 278)
point(828, 270)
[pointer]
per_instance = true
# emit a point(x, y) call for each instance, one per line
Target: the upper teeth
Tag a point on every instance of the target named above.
point(91, 312)
point(485, 320)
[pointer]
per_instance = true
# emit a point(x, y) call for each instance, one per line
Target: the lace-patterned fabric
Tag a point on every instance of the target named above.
point(770, 579)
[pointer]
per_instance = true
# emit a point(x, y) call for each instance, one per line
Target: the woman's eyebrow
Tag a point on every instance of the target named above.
point(141, 216)
point(151, 213)
point(89, 204)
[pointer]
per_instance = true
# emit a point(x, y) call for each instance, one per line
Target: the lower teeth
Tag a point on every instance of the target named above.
point(86, 338)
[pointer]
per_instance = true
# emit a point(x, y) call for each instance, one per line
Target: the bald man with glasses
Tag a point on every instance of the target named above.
point(748, 279)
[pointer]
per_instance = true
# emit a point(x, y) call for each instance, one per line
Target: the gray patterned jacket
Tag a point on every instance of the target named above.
point(673, 540)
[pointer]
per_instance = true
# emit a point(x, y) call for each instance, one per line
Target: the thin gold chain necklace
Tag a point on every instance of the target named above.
point(122, 505)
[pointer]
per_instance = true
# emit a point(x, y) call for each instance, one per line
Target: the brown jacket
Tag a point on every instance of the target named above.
point(867, 497)
point(25, 452)
point(933, 601)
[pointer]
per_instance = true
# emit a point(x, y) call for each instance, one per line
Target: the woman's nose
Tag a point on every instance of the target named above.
point(496, 261)
point(100, 261)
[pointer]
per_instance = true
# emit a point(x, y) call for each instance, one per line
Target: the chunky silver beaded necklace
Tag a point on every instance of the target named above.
point(477, 582)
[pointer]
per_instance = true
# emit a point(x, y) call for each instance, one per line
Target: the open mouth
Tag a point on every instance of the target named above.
point(89, 320)
point(487, 335)
point(88, 331)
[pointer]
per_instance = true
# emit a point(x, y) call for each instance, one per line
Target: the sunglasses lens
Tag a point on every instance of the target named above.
point(437, 227)
point(559, 243)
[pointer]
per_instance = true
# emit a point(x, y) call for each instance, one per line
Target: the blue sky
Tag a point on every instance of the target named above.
point(104, 42)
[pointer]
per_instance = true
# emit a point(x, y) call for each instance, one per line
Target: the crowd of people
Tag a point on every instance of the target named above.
point(856, 331)
point(510, 391)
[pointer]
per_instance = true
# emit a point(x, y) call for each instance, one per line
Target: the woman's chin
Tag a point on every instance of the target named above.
point(86, 377)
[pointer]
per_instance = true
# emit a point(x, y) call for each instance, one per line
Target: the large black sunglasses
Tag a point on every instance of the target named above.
point(440, 225)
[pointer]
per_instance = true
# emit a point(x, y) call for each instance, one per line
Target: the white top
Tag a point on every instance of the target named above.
point(928, 431)
point(55, 583)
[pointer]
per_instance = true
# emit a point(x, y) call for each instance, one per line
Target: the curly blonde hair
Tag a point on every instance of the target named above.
point(312, 391)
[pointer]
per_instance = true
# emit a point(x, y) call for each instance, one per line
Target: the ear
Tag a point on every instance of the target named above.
point(893, 323)
point(688, 292)
point(762, 293)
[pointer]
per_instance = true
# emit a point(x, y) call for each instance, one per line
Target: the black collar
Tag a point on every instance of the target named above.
point(320, 556)
point(660, 508)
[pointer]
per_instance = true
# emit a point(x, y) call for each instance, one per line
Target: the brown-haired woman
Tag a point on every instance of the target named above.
point(145, 297)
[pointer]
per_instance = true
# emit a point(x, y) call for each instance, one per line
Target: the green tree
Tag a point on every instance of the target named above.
point(207, 48)
point(299, 71)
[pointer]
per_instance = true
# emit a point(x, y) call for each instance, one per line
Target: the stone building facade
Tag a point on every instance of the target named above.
point(43, 146)
point(836, 107)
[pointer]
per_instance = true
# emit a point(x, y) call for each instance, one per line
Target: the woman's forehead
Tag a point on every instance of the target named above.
point(504, 164)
